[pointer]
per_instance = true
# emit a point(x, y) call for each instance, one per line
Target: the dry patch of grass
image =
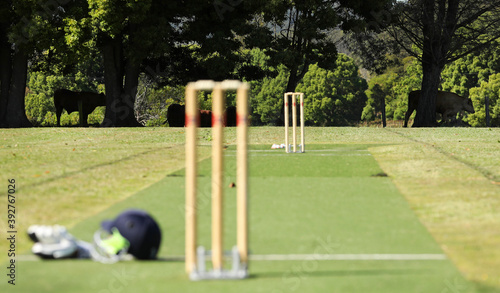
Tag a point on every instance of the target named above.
point(454, 198)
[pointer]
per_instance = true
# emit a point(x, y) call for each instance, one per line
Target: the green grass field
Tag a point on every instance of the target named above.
point(356, 191)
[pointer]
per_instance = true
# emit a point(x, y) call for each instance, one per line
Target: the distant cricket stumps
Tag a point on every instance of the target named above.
point(195, 257)
point(294, 122)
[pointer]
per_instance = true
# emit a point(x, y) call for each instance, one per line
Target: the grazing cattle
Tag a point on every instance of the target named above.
point(447, 104)
point(176, 114)
point(205, 118)
point(71, 101)
point(230, 119)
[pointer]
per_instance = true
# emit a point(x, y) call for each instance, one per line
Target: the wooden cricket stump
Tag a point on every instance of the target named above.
point(196, 256)
point(294, 123)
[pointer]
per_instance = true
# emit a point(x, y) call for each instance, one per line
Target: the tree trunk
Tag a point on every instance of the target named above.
point(439, 25)
point(293, 80)
point(113, 74)
point(132, 71)
point(290, 88)
point(15, 113)
point(120, 97)
point(426, 110)
point(382, 107)
point(487, 110)
point(5, 74)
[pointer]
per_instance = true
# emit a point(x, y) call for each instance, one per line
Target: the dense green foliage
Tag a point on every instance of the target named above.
point(42, 84)
point(393, 86)
point(268, 98)
point(333, 97)
point(488, 89)
point(476, 76)
point(40, 108)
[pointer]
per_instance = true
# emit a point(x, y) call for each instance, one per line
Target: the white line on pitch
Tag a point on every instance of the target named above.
point(278, 150)
point(306, 257)
point(337, 150)
point(310, 155)
point(309, 257)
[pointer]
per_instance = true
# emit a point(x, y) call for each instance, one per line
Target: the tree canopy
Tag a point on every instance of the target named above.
point(136, 51)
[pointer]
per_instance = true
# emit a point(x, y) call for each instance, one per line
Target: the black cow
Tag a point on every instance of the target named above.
point(230, 118)
point(176, 114)
point(205, 118)
point(71, 101)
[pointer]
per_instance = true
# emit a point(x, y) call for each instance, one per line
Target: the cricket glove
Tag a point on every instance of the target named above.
point(53, 242)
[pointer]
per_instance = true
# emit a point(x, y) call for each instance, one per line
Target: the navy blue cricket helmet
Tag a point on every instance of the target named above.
point(140, 229)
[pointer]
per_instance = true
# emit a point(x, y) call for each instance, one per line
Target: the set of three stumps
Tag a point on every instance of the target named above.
point(195, 257)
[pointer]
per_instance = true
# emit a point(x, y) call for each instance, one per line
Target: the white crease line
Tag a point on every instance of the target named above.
point(336, 150)
point(309, 155)
point(307, 151)
point(306, 257)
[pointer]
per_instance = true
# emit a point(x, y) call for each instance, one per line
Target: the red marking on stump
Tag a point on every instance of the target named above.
point(216, 119)
point(188, 120)
point(240, 119)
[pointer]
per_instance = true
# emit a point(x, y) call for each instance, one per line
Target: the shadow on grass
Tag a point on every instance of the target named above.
point(483, 288)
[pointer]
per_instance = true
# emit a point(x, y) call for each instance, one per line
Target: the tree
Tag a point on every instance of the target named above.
point(123, 43)
point(298, 36)
point(268, 98)
point(299, 31)
point(40, 108)
point(333, 98)
point(30, 31)
point(394, 85)
point(15, 33)
point(195, 40)
point(380, 93)
point(471, 70)
point(487, 90)
point(442, 31)
point(476, 76)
